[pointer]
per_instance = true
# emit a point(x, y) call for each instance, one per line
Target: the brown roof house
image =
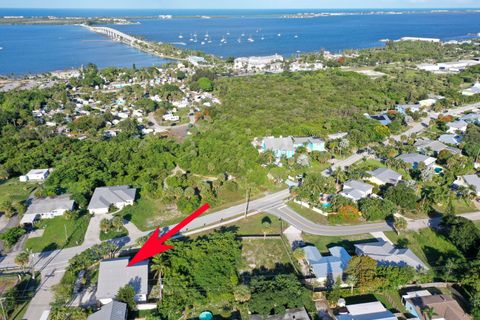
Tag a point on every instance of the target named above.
point(444, 307)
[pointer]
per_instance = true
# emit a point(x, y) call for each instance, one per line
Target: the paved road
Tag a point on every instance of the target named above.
point(52, 264)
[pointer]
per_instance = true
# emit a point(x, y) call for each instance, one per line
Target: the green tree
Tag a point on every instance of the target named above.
point(376, 209)
point(205, 84)
point(266, 226)
point(127, 294)
point(117, 223)
point(22, 259)
point(400, 224)
point(242, 293)
point(403, 196)
point(363, 268)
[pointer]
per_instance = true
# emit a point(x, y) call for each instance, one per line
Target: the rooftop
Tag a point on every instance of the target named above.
point(114, 274)
point(443, 305)
point(106, 196)
point(44, 205)
point(386, 175)
point(114, 310)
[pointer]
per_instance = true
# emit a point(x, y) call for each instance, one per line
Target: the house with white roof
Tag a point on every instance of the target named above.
point(35, 175)
point(327, 269)
point(356, 190)
point(404, 108)
point(457, 126)
point(387, 255)
point(383, 176)
point(414, 159)
point(114, 274)
point(105, 197)
point(47, 208)
point(286, 146)
point(365, 311)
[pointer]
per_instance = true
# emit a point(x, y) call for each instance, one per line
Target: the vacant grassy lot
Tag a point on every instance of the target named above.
point(15, 190)
point(258, 254)
point(323, 243)
point(461, 206)
point(428, 245)
point(55, 237)
point(148, 213)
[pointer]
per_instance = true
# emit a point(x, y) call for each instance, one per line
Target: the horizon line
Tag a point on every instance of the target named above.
point(239, 8)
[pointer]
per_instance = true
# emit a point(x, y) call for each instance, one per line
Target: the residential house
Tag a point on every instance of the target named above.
point(196, 61)
point(472, 181)
point(365, 311)
point(404, 108)
point(115, 274)
point(427, 102)
point(47, 208)
point(327, 269)
point(290, 314)
point(35, 175)
point(383, 119)
point(452, 139)
point(414, 159)
point(286, 146)
point(473, 118)
point(456, 126)
point(382, 176)
point(475, 89)
point(259, 64)
point(444, 306)
point(105, 197)
point(114, 310)
point(386, 254)
point(433, 147)
point(356, 190)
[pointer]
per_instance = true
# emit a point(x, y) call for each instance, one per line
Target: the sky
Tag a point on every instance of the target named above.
point(240, 4)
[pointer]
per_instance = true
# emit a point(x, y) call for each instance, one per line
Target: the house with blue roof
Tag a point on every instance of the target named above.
point(327, 269)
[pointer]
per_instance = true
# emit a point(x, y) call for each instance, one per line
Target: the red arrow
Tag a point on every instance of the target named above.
point(155, 245)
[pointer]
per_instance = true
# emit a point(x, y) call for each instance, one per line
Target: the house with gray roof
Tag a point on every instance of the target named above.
point(383, 119)
point(473, 118)
point(47, 208)
point(105, 197)
point(452, 139)
point(386, 254)
point(472, 181)
point(114, 274)
point(475, 89)
point(327, 269)
point(114, 310)
point(404, 108)
point(290, 314)
point(427, 146)
point(457, 126)
point(383, 176)
point(414, 159)
point(356, 190)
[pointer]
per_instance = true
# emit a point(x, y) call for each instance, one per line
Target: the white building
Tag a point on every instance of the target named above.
point(105, 197)
point(356, 190)
point(475, 89)
point(259, 64)
point(47, 208)
point(457, 126)
point(35, 175)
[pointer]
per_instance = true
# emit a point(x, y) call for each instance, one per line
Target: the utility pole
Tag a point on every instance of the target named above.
point(248, 201)
point(3, 309)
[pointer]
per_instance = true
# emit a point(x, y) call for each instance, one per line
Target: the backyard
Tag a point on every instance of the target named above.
point(59, 233)
point(263, 254)
point(14, 190)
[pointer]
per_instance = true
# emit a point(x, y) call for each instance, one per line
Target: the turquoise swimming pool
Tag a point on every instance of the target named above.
point(205, 315)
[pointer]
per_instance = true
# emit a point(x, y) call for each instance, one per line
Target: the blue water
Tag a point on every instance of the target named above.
point(33, 49)
point(332, 33)
point(37, 49)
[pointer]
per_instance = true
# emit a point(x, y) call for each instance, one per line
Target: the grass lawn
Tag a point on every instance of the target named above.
point(113, 233)
point(7, 282)
point(323, 243)
point(258, 254)
point(428, 245)
point(148, 213)
point(461, 206)
point(54, 234)
point(253, 225)
point(308, 214)
point(28, 287)
point(15, 190)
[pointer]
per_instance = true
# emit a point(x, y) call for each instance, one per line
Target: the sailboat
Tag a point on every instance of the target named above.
point(180, 36)
point(250, 39)
point(239, 40)
point(295, 36)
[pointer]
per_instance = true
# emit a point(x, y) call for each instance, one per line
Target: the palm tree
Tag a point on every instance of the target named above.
point(105, 225)
point(352, 281)
point(242, 293)
point(22, 259)
point(299, 254)
point(400, 224)
point(428, 313)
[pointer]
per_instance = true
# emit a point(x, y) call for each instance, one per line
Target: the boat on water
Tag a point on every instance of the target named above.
point(243, 34)
point(279, 35)
point(250, 39)
point(180, 36)
point(1, 48)
point(202, 43)
point(239, 40)
point(295, 36)
point(223, 40)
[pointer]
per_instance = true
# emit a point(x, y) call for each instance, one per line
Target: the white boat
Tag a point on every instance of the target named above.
point(202, 43)
point(239, 40)
point(250, 39)
point(223, 40)
point(228, 33)
point(1, 48)
point(295, 36)
point(180, 36)
point(243, 34)
point(279, 35)
point(262, 38)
